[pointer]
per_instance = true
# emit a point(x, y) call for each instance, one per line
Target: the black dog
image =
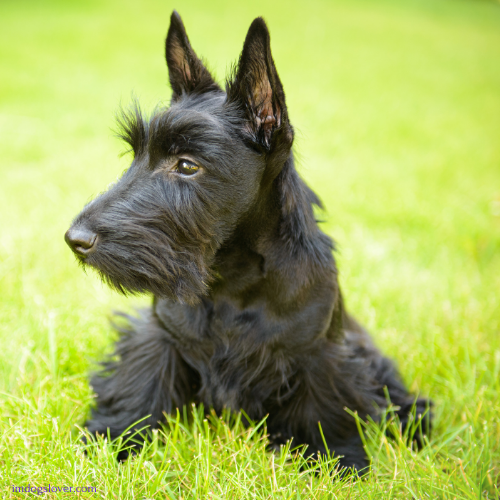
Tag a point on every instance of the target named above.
point(213, 219)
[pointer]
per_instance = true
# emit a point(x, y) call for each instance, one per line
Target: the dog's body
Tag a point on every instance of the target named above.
point(213, 219)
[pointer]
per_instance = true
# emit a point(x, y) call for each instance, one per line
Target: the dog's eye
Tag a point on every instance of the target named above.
point(186, 167)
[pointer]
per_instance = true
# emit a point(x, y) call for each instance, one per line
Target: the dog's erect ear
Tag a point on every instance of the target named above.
point(186, 71)
point(257, 87)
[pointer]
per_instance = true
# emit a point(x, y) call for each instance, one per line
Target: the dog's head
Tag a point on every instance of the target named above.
point(199, 168)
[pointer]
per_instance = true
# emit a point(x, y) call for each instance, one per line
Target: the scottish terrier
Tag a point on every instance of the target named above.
point(213, 219)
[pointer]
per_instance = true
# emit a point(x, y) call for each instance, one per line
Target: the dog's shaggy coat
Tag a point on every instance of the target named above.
point(213, 220)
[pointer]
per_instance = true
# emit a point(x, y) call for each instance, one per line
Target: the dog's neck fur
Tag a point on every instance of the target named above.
point(278, 260)
point(282, 229)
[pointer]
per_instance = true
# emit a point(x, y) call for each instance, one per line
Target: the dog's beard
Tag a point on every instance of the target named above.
point(152, 265)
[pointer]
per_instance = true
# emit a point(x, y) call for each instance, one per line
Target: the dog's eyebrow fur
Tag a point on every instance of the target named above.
point(132, 127)
point(185, 130)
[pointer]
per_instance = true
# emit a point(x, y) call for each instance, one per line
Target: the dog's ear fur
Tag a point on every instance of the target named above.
point(186, 71)
point(256, 87)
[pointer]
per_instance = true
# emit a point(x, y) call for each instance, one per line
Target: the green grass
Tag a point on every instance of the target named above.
point(397, 107)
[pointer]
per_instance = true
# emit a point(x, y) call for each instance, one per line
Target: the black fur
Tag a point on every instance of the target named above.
point(247, 311)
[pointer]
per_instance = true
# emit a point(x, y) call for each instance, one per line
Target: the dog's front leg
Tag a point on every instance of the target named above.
point(146, 378)
point(325, 381)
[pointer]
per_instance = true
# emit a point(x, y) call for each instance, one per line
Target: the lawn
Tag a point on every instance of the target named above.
point(397, 108)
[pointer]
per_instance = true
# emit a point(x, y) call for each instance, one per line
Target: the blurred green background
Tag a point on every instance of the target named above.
point(397, 109)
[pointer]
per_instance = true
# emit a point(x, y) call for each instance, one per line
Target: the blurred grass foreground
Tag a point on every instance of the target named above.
point(397, 107)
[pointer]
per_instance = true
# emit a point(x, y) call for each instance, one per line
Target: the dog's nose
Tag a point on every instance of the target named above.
point(80, 240)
